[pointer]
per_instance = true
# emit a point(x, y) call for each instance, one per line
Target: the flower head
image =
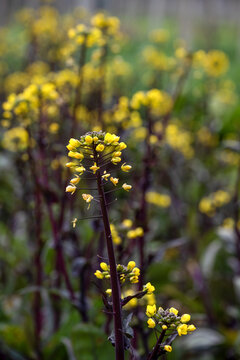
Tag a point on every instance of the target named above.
point(95, 150)
point(168, 321)
point(149, 288)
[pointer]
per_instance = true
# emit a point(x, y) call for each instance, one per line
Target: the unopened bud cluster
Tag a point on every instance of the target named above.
point(169, 320)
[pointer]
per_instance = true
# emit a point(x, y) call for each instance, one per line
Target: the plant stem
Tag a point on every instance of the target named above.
point(236, 216)
point(155, 353)
point(39, 273)
point(116, 298)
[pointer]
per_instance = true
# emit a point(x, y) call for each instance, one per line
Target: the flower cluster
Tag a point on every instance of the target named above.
point(161, 200)
point(97, 150)
point(214, 63)
point(126, 228)
point(107, 24)
point(81, 34)
point(129, 272)
point(127, 275)
point(209, 204)
point(159, 102)
point(169, 321)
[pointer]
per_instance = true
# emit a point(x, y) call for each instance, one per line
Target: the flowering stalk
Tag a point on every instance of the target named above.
point(99, 150)
point(170, 324)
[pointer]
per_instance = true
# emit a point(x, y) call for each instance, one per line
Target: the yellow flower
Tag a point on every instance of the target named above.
point(94, 168)
point(217, 63)
point(109, 292)
point(191, 328)
point(16, 139)
point(88, 139)
point(71, 189)
point(134, 279)
point(74, 142)
point(80, 169)
point(111, 139)
point(70, 147)
point(185, 318)
point(70, 164)
point(173, 310)
point(114, 180)
point(100, 147)
point(99, 274)
point(161, 200)
point(164, 327)
point(87, 197)
point(117, 154)
point(151, 323)
point(53, 128)
point(71, 33)
point(133, 302)
point(104, 266)
point(75, 180)
point(115, 236)
point(168, 348)
point(221, 197)
point(206, 206)
point(138, 99)
point(151, 310)
point(122, 278)
point(105, 176)
point(149, 287)
point(126, 167)
point(122, 146)
point(131, 234)
point(74, 222)
point(182, 329)
point(126, 187)
point(131, 265)
point(127, 223)
point(139, 231)
point(159, 35)
point(136, 271)
point(75, 155)
point(116, 160)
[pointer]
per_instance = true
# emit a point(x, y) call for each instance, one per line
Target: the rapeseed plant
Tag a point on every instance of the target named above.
point(175, 118)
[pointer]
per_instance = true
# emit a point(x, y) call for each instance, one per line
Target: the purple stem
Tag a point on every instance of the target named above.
point(116, 294)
